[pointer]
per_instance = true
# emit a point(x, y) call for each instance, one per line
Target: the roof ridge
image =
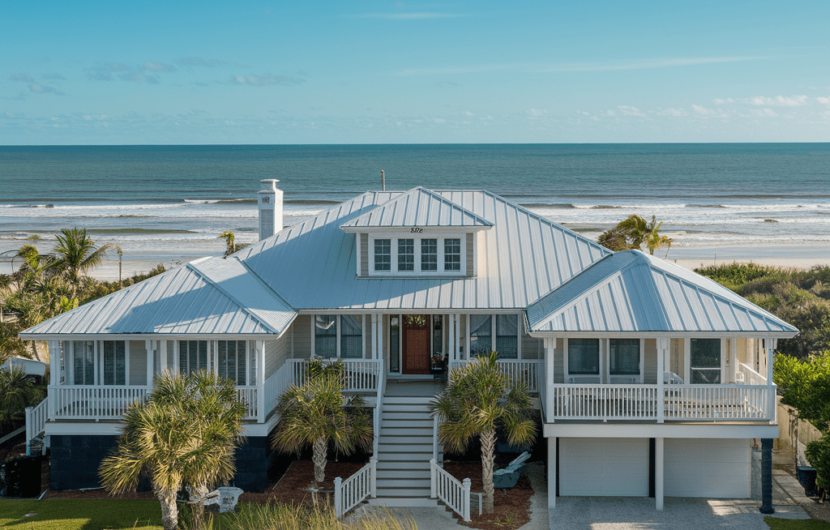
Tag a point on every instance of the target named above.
point(233, 299)
point(431, 193)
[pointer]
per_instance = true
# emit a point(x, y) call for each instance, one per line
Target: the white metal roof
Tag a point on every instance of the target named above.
point(633, 292)
point(524, 256)
point(211, 296)
point(417, 207)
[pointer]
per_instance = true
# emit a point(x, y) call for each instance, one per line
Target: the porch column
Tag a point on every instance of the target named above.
point(54, 362)
point(773, 406)
point(163, 357)
point(362, 336)
point(260, 380)
point(148, 344)
point(661, 400)
point(550, 345)
point(658, 473)
point(374, 336)
point(687, 360)
point(458, 338)
point(552, 473)
point(451, 337)
point(766, 476)
point(733, 359)
point(380, 337)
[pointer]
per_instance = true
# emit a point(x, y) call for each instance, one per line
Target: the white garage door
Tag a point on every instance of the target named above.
point(603, 467)
point(715, 469)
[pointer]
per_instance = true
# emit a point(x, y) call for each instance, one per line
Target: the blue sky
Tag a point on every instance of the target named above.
point(409, 72)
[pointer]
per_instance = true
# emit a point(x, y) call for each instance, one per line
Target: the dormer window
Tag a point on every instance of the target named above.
point(413, 255)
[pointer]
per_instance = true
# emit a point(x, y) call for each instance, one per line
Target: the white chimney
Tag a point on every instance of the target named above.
point(269, 201)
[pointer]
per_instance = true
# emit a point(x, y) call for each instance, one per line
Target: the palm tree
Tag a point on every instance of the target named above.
point(315, 414)
point(638, 231)
point(654, 240)
point(17, 391)
point(76, 253)
point(184, 435)
point(480, 399)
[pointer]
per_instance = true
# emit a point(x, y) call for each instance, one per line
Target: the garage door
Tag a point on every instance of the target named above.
point(718, 469)
point(603, 467)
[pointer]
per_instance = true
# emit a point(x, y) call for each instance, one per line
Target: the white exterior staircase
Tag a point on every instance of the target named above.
point(404, 451)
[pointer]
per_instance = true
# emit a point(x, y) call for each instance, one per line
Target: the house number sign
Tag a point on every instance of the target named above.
point(416, 231)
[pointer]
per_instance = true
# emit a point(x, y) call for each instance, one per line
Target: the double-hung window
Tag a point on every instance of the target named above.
point(351, 337)
point(507, 336)
point(383, 254)
point(429, 255)
point(83, 360)
point(452, 254)
point(624, 356)
point(583, 356)
point(115, 362)
point(232, 357)
point(481, 335)
point(325, 336)
point(193, 356)
point(406, 255)
point(705, 361)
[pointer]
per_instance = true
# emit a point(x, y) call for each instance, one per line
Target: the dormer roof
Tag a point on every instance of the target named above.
point(417, 207)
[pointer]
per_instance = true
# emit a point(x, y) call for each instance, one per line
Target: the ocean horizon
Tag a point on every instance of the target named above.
point(162, 199)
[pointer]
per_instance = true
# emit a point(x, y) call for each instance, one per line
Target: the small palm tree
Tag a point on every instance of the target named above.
point(638, 231)
point(184, 435)
point(654, 240)
point(230, 245)
point(480, 399)
point(316, 414)
point(77, 253)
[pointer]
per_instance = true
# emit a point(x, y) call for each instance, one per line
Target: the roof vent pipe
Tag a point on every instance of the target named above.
point(269, 201)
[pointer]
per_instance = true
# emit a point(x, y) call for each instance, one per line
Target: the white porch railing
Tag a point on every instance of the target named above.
point(248, 395)
point(352, 491)
point(36, 421)
point(359, 375)
point(525, 370)
point(679, 402)
point(450, 490)
point(750, 376)
point(94, 402)
point(604, 402)
point(718, 402)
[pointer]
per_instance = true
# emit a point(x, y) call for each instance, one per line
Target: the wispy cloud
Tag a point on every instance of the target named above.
point(152, 66)
point(409, 16)
point(625, 110)
point(264, 80)
point(581, 67)
point(138, 77)
point(104, 71)
point(22, 78)
point(42, 89)
point(53, 77)
point(200, 61)
point(777, 101)
point(823, 100)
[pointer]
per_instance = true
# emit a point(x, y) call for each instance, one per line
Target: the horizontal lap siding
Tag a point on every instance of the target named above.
point(531, 348)
point(559, 361)
point(276, 352)
point(138, 362)
point(302, 337)
point(470, 256)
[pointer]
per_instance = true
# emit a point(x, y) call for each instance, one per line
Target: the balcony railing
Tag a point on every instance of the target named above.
point(94, 402)
point(525, 370)
point(358, 375)
point(679, 402)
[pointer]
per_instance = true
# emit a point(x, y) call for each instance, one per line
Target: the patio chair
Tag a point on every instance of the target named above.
point(509, 476)
point(225, 497)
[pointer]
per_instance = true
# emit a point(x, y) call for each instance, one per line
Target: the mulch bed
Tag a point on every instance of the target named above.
point(510, 511)
point(293, 487)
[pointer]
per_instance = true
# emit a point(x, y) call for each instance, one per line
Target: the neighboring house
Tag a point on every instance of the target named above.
point(651, 380)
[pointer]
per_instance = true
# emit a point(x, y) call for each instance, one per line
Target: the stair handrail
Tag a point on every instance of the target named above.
point(454, 493)
point(352, 491)
point(35, 422)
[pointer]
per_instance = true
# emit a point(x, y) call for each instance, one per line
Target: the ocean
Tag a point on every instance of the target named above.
point(160, 202)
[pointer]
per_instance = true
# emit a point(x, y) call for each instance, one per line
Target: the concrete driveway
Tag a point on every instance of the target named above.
point(577, 513)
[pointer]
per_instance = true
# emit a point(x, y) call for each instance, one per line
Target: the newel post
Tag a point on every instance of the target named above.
point(465, 501)
point(433, 486)
point(770, 382)
point(374, 479)
point(338, 498)
point(29, 429)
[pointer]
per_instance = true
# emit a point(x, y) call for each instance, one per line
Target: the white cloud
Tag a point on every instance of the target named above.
point(152, 66)
point(703, 111)
point(535, 113)
point(264, 80)
point(625, 110)
point(672, 112)
point(138, 77)
point(823, 100)
point(777, 101)
point(764, 113)
point(722, 101)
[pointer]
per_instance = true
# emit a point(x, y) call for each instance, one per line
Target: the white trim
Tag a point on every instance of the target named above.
point(660, 430)
point(647, 334)
point(362, 337)
point(337, 335)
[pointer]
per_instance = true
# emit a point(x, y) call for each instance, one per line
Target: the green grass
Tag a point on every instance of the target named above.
point(796, 524)
point(80, 514)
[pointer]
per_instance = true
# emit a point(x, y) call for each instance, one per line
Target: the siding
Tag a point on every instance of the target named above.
point(470, 255)
point(302, 337)
point(559, 361)
point(276, 352)
point(743, 344)
point(138, 362)
point(676, 349)
point(531, 348)
point(650, 362)
point(364, 254)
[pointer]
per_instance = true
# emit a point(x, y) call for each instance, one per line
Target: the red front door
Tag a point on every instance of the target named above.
point(416, 344)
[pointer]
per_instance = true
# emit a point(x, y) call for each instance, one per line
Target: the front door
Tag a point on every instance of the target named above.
point(416, 344)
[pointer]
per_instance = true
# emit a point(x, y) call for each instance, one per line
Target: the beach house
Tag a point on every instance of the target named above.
point(650, 380)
